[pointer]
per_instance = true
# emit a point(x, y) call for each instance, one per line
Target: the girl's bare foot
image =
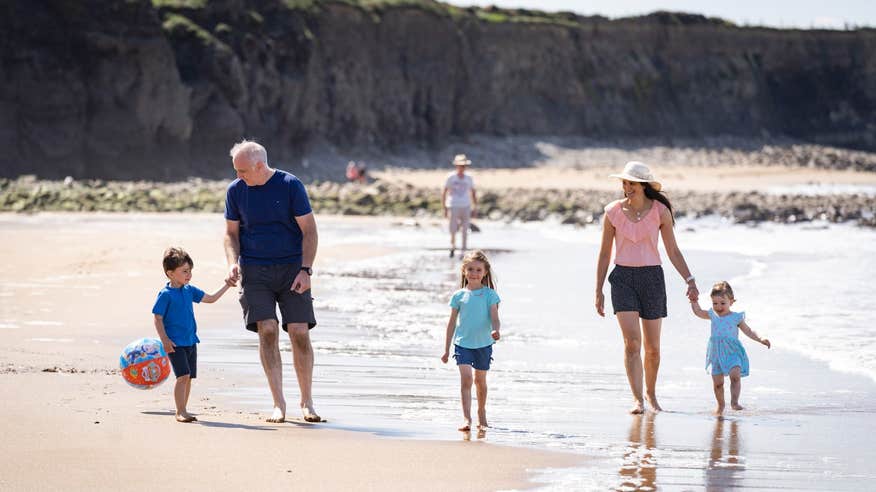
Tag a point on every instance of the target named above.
point(652, 400)
point(736, 406)
point(185, 417)
point(638, 408)
point(465, 427)
point(279, 415)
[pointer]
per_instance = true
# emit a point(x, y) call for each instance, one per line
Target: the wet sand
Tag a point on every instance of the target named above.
point(79, 287)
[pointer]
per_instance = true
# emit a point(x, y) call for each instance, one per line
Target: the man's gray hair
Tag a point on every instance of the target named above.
point(250, 150)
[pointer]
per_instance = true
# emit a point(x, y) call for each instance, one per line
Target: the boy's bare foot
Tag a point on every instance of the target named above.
point(638, 408)
point(310, 414)
point(719, 410)
point(465, 427)
point(652, 400)
point(185, 418)
point(278, 417)
point(736, 406)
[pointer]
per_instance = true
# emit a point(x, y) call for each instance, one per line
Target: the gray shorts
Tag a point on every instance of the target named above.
point(640, 289)
point(264, 287)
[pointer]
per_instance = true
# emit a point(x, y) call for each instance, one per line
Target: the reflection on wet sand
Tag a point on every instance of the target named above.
point(639, 469)
point(725, 465)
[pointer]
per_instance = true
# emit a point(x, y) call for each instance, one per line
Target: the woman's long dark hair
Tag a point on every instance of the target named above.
point(653, 194)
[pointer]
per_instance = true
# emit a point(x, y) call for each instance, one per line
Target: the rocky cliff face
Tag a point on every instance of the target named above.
point(113, 89)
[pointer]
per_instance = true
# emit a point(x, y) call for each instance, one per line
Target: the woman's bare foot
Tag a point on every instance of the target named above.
point(638, 408)
point(186, 417)
point(279, 415)
point(719, 410)
point(310, 414)
point(736, 406)
point(465, 427)
point(652, 400)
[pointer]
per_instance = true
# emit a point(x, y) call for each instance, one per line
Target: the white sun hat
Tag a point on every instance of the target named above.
point(461, 160)
point(639, 172)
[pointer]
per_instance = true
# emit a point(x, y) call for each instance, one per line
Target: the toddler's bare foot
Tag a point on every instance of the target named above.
point(465, 427)
point(719, 410)
point(310, 414)
point(638, 408)
point(736, 406)
point(652, 400)
point(185, 417)
point(279, 415)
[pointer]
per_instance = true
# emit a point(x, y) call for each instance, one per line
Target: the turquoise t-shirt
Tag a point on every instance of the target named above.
point(473, 326)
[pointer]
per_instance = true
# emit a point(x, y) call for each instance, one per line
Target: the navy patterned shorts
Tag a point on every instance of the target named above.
point(640, 289)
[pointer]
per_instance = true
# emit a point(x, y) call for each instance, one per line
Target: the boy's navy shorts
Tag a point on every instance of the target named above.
point(478, 358)
point(184, 360)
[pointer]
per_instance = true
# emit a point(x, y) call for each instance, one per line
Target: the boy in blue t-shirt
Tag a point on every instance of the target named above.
point(175, 324)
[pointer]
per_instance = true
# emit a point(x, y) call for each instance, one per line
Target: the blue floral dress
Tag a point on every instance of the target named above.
point(725, 351)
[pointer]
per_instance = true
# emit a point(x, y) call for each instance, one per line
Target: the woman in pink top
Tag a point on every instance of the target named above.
point(638, 289)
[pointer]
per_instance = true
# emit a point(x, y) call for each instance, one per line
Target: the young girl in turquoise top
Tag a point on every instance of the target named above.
point(473, 327)
point(725, 353)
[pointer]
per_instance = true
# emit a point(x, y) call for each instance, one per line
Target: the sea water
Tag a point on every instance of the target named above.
point(558, 382)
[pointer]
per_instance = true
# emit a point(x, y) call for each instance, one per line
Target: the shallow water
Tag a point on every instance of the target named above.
point(558, 381)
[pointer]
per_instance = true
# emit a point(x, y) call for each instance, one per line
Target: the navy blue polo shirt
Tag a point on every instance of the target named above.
point(269, 234)
point(174, 305)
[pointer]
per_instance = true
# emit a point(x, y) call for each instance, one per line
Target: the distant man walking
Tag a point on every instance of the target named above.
point(460, 201)
point(270, 245)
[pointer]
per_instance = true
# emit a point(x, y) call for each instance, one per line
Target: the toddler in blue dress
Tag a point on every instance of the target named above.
point(725, 354)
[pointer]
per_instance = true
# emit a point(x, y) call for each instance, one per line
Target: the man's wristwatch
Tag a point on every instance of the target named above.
point(307, 270)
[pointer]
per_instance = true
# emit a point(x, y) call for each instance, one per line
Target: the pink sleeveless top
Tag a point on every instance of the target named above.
point(635, 243)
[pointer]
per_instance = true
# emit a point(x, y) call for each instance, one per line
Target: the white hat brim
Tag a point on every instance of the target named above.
point(654, 184)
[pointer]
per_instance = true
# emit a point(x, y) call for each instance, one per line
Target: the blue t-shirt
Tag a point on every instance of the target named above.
point(269, 234)
point(473, 325)
point(175, 307)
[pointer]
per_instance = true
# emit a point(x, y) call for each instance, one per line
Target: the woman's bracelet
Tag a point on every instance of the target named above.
point(687, 280)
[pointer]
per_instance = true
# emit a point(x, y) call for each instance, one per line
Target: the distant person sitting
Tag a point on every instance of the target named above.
point(357, 172)
point(460, 201)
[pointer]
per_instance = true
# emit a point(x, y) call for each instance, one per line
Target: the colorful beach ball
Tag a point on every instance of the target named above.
point(144, 363)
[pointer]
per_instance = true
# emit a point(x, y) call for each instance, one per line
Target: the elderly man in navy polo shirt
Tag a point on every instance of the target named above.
point(270, 245)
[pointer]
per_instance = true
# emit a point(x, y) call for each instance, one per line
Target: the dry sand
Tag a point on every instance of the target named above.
point(79, 287)
point(682, 178)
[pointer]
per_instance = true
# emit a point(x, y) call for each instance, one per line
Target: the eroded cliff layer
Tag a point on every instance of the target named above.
point(139, 89)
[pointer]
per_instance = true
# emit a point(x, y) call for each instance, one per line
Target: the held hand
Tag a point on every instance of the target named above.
point(693, 294)
point(600, 304)
point(445, 357)
point(445, 213)
point(168, 345)
point(766, 341)
point(495, 334)
point(301, 282)
point(474, 212)
point(233, 275)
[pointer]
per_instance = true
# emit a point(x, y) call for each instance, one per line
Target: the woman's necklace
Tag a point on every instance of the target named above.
point(637, 212)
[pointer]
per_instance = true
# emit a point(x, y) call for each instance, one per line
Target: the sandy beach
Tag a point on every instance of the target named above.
point(80, 287)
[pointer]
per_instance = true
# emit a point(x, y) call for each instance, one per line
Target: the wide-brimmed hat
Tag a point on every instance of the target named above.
point(461, 160)
point(639, 172)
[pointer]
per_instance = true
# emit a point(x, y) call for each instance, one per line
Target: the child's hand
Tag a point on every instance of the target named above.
point(766, 341)
point(495, 334)
point(445, 357)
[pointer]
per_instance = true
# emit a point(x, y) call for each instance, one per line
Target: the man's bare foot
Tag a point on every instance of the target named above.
point(465, 427)
point(652, 400)
point(736, 406)
point(719, 410)
point(186, 417)
point(310, 414)
point(278, 417)
point(638, 408)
